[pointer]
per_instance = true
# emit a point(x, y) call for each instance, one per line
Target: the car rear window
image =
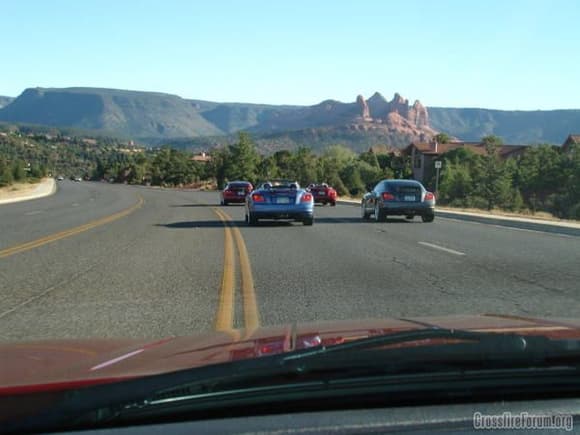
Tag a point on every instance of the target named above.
point(238, 186)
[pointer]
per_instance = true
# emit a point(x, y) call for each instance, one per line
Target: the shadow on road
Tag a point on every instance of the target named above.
point(197, 224)
point(272, 223)
point(194, 205)
point(358, 220)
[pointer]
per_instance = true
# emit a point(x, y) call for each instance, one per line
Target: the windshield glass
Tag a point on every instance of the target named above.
point(190, 184)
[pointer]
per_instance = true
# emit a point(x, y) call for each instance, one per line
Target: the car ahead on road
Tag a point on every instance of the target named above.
point(323, 194)
point(407, 198)
point(77, 179)
point(60, 178)
point(280, 200)
point(316, 377)
point(235, 192)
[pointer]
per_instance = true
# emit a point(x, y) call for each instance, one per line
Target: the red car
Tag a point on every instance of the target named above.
point(323, 194)
point(235, 192)
point(196, 381)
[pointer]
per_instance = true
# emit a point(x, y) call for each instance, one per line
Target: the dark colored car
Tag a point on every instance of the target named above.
point(323, 194)
point(235, 192)
point(280, 200)
point(407, 198)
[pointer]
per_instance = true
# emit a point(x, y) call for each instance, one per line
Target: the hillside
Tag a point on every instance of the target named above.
point(4, 101)
point(514, 126)
point(124, 113)
point(156, 118)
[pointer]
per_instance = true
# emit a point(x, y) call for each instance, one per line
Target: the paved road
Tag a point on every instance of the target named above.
point(179, 264)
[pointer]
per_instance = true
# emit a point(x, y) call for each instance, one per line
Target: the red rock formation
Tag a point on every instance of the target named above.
point(418, 115)
point(364, 108)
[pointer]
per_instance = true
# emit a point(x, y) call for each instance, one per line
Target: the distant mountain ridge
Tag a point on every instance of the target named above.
point(153, 117)
point(4, 101)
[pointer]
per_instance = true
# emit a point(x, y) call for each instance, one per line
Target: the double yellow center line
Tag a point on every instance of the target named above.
point(70, 232)
point(226, 306)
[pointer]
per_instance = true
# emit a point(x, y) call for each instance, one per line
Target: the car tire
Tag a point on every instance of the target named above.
point(251, 219)
point(226, 203)
point(380, 215)
point(309, 221)
point(363, 213)
point(333, 204)
point(409, 217)
point(428, 217)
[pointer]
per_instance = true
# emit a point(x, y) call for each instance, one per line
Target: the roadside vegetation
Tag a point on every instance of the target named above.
point(542, 179)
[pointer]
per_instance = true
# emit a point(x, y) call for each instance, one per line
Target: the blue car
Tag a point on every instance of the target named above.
point(280, 200)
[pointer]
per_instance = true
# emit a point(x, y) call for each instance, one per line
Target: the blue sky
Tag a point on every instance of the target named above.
point(510, 54)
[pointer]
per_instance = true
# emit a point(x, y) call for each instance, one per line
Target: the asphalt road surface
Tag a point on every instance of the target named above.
point(100, 260)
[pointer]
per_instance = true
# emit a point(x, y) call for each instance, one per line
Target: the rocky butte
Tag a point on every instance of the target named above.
point(397, 114)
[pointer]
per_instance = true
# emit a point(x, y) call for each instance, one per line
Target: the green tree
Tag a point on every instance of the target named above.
point(492, 184)
point(6, 178)
point(303, 166)
point(267, 169)
point(456, 185)
point(370, 157)
point(244, 159)
point(18, 170)
point(442, 138)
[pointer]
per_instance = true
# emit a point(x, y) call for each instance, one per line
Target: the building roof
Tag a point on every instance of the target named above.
point(572, 138)
point(384, 149)
point(203, 157)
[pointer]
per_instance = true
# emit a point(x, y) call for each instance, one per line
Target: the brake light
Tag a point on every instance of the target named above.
point(256, 197)
point(429, 196)
point(388, 196)
point(307, 197)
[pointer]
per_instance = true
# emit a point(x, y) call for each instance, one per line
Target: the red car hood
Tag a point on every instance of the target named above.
point(54, 365)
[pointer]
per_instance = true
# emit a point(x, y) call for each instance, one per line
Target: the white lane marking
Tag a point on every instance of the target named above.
point(116, 360)
point(508, 227)
point(32, 213)
point(441, 248)
point(75, 204)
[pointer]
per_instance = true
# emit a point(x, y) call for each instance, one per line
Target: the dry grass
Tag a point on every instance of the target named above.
point(540, 215)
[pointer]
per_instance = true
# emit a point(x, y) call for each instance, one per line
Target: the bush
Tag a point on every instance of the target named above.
point(477, 202)
point(574, 212)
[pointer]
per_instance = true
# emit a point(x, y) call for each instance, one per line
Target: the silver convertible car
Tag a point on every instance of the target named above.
point(398, 197)
point(280, 200)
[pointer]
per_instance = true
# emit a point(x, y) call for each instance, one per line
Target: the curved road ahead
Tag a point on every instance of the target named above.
point(100, 260)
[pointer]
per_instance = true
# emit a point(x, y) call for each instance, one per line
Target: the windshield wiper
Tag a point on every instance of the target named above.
point(362, 357)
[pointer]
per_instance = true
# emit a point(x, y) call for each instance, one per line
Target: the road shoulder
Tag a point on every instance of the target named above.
point(44, 188)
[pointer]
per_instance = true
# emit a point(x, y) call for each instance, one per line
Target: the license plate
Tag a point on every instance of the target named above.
point(283, 200)
point(241, 193)
point(321, 193)
point(409, 198)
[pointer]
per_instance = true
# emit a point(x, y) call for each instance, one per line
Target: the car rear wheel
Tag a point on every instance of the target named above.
point(309, 221)
point(380, 215)
point(225, 203)
point(410, 217)
point(333, 204)
point(251, 219)
point(428, 217)
point(363, 213)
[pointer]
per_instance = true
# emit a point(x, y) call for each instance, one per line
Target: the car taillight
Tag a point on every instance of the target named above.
point(388, 196)
point(307, 197)
point(429, 196)
point(256, 197)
